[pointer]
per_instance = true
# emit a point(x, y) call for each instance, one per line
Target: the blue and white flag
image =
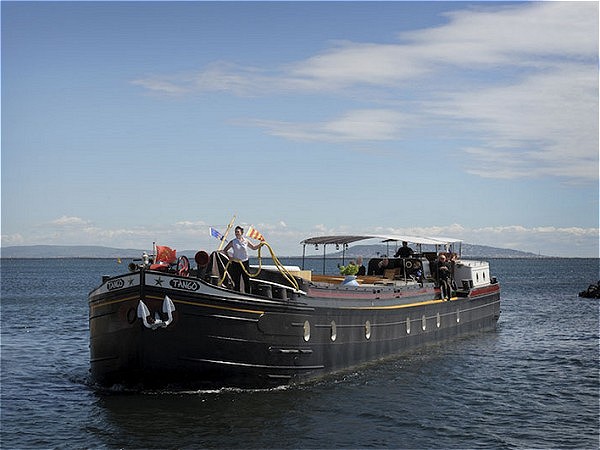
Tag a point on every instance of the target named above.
point(215, 233)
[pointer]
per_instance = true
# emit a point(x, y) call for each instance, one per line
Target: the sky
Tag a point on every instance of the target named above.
point(127, 123)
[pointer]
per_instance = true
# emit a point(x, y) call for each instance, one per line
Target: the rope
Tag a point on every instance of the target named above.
point(286, 274)
point(225, 273)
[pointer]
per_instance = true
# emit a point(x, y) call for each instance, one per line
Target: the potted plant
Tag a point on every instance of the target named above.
point(349, 272)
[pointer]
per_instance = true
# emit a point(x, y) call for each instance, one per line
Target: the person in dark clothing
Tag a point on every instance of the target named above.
point(381, 266)
point(405, 251)
point(377, 266)
point(372, 266)
point(444, 276)
point(361, 267)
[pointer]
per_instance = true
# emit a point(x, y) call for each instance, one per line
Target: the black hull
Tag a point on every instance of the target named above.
point(222, 338)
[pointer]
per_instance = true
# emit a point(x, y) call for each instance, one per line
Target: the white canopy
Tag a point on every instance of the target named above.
point(348, 239)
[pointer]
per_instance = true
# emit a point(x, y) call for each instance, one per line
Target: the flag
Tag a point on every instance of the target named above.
point(215, 233)
point(252, 233)
point(165, 254)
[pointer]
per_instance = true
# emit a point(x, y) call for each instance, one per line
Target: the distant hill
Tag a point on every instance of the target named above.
point(483, 251)
point(92, 251)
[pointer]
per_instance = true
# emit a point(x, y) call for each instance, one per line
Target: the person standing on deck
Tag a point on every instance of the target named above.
point(240, 246)
point(444, 276)
point(405, 251)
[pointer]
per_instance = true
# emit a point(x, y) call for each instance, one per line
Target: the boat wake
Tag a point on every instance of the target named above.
point(119, 389)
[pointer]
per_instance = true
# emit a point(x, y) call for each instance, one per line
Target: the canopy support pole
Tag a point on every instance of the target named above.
point(303, 254)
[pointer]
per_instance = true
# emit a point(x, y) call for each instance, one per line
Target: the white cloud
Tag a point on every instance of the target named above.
point(530, 34)
point(537, 35)
point(352, 63)
point(544, 125)
point(13, 239)
point(69, 221)
point(190, 224)
point(162, 85)
point(519, 82)
point(219, 76)
point(226, 77)
point(358, 126)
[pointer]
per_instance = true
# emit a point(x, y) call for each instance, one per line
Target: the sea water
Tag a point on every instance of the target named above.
point(531, 383)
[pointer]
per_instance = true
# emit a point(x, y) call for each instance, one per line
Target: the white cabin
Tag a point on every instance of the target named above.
point(469, 274)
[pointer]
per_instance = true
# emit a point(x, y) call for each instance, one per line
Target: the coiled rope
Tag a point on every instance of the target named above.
point(286, 274)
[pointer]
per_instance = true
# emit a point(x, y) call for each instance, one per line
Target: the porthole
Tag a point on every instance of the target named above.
point(408, 325)
point(438, 320)
point(368, 329)
point(333, 331)
point(424, 322)
point(306, 330)
point(457, 316)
